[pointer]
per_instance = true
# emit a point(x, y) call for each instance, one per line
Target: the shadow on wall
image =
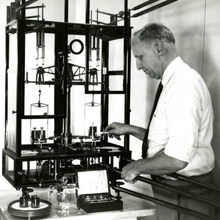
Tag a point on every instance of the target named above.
point(214, 73)
point(211, 75)
point(190, 47)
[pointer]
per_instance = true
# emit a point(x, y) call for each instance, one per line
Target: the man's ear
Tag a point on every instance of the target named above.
point(158, 46)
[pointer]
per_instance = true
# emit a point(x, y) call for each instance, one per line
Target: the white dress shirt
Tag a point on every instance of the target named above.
point(182, 125)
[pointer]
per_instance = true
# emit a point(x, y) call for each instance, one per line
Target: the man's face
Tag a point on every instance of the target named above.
point(147, 58)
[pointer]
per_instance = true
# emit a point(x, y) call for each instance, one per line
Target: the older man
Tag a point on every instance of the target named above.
point(179, 136)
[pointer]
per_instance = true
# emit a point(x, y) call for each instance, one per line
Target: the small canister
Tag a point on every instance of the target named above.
point(92, 131)
point(24, 201)
point(35, 201)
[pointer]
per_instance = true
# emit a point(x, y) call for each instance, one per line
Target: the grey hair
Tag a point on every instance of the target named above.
point(155, 31)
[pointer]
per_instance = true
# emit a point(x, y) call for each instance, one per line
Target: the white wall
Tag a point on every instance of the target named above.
point(211, 69)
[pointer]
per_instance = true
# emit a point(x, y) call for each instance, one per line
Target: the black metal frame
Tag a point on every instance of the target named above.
point(61, 30)
point(152, 8)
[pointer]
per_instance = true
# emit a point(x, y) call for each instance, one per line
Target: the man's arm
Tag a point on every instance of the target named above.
point(159, 165)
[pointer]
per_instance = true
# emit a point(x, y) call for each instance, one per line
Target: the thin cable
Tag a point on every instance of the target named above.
point(204, 36)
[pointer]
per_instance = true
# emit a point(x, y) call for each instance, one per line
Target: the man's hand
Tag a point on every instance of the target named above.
point(116, 129)
point(130, 172)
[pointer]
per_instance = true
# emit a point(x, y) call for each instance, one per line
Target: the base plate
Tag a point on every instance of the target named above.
point(15, 209)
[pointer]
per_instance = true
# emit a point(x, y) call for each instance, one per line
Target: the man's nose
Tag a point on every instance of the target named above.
point(138, 65)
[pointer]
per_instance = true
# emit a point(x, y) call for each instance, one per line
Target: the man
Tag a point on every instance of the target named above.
point(181, 129)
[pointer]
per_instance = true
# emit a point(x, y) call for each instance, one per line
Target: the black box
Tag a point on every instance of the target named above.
point(94, 192)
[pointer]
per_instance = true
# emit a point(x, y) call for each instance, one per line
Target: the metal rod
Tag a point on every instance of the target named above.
point(97, 41)
point(188, 179)
point(103, 12)
point(34, 7)
point(127, 71)
point(181, 192)
point(144, 4)
point(164, 203)
point(34, 16)
point(93, 42)
point(175, 190)
point(42, 11)
point(100, 22)
point(87, 11)
point(66, 12)
point(210, 186)
point(26, 4)
point(97, 16)
point(153, 8)
point(38, 13)
point(102, 132)
point(149, 9)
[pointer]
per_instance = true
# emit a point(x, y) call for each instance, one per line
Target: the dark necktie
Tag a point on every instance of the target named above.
point(145, 141)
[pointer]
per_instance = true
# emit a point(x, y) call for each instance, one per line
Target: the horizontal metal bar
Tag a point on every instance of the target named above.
point(153, 8)
point(105, 13)
point(26, 4)
point(164, 203)
point(144, 4)
point(43, 116)
point(181, 192)
point(200, 183)
point(34, 16)
point(188, 179)
point(116, 92)
point(175, 190)
point(34, 7)
point(98, 22)
point(115, 73)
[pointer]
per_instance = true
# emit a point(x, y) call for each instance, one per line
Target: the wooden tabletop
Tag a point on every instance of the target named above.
point(132, 207)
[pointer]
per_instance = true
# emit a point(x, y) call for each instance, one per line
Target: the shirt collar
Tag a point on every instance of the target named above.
point(170, 70)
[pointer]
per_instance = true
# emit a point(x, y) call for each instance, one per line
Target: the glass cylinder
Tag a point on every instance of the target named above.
point(92, 119)
point(39, 127)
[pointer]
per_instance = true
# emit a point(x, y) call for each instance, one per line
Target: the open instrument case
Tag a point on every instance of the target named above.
point(93, 194)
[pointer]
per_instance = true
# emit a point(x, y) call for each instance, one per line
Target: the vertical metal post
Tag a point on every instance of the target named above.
point(88, 46)
point(17, 175)
point(7, 41)
point(87, 11)
point(66, 11)
point(127, 68)
point(20, 80)
point(67, 83)
point(59, 92)
point(105, 79)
